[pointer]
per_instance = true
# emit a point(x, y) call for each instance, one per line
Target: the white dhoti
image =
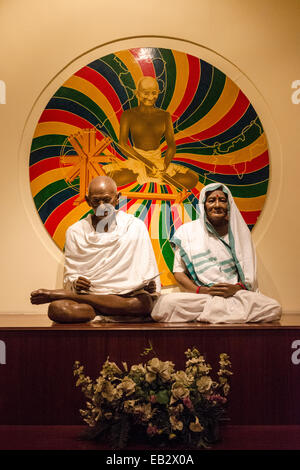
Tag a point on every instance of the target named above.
point(243, 307)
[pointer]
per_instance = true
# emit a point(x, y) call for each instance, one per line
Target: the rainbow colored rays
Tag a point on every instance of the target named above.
point(217, 131)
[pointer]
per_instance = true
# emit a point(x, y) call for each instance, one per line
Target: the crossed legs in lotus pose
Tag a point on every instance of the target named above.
point(69, 307)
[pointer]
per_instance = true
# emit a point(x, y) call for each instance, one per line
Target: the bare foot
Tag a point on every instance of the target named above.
point(44, 296)
point(151, 287)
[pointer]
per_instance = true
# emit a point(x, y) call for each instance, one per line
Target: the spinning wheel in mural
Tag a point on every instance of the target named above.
point(87, 163)
point(218, 137)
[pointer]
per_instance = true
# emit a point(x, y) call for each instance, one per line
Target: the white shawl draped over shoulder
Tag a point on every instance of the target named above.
point(208, 257)
point(116, 262)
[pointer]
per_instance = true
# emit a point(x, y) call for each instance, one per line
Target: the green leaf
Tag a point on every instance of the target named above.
point(162, 397)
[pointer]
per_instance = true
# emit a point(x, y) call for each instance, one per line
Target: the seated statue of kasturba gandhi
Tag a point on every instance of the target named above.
point(110, 267)
point(215, 264)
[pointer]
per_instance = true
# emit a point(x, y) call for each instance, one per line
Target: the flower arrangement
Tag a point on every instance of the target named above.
point(184, 406)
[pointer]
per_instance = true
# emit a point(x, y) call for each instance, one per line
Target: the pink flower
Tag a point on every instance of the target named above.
point(152, 430)
point(152, 399)
point(217, 397)
point(187, 402)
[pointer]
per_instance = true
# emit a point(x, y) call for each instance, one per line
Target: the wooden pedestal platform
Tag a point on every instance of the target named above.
point(37, 385)
point(66, 438)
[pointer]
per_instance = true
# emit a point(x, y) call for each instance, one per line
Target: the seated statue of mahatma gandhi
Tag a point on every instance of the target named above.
point(110, 267)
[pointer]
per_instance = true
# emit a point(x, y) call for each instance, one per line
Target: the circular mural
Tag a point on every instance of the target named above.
point(202, 129)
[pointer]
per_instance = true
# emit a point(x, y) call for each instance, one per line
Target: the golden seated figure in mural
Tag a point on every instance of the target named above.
point(147, 125)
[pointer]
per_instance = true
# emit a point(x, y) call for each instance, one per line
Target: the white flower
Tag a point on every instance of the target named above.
point(204, 384)
point(156, 367)
point(127, 385)
point(176, 425)
point(196, 426)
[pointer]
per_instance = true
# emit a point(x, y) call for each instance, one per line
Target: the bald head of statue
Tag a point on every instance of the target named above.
point(102, 193)
point(146, 82)
point(102, 182)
